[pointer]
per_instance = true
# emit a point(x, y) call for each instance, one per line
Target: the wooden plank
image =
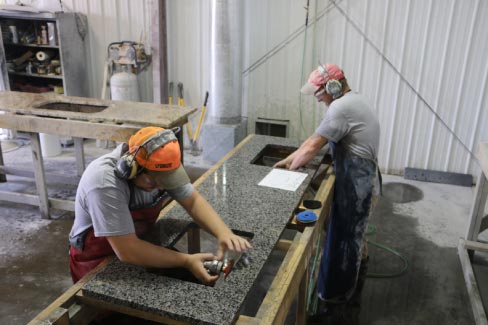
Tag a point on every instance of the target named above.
point(39, 175)
point(477, 246)
point(283, 245)
point(50, 177)
point(81, 314)
point(69, 128)
point(473, 291)
point(482, 155)
point(477, 208)
point(301, 315)
point(3, 178)
point(68, 297)
point(284, 287)
point(60, 316)
point(93, 110)
point(82, 299)
point(247, 320)
point(32, 199)
point(80, 155)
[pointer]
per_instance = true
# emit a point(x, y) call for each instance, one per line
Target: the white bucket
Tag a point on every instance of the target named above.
point(50, 145)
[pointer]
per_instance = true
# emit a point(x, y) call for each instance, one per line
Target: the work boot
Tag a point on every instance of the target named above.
point(363, 272)
point(331, 314)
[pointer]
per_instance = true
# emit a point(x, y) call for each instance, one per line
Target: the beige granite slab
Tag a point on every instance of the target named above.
point(104, 111)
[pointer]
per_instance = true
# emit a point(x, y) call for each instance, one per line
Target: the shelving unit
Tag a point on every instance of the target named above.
point(62, 45)
point(63, 69)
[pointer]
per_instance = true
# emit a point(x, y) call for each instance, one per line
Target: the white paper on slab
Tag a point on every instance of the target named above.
point(283, 179)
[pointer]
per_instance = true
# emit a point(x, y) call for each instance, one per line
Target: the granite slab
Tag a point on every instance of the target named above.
point(93, 110)
point(232, 189)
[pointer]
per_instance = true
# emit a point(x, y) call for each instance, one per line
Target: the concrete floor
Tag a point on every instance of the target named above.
point(422, 221)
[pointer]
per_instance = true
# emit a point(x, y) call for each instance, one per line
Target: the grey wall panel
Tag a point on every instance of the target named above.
point(421, 63)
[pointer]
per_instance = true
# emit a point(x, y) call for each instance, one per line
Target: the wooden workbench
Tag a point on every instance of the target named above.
point(292, 279)
point(478, 222)
point(76, 117)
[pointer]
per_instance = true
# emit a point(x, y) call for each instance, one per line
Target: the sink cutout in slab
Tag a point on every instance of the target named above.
point(271, 154)
point(72, 107)
point(207, 244)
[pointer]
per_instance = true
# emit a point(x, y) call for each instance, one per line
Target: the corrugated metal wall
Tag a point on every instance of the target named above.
point(421, 63)
point(113, 21)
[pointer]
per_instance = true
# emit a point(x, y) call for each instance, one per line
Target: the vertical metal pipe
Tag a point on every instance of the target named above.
point(226, 62)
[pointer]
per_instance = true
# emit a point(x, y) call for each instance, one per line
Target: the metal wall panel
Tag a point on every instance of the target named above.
point(421, 63)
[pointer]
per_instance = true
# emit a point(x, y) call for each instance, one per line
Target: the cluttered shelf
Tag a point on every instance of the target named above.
point(31, 45)
point(24, 74)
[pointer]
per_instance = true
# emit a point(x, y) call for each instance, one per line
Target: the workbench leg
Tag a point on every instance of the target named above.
point(302, 299)
point(3, 177)
point(478, 208)
point(193, 240)
point(39, 175)
point(79, 155)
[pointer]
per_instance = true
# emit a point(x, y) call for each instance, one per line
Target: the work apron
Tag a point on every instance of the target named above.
point(96, 249)
point(341, 257)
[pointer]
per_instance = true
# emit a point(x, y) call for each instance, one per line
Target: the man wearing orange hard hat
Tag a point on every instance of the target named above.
point(119, 198)
point(352, 131)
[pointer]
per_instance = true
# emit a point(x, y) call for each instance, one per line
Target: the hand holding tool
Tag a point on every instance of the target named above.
point(225, 266)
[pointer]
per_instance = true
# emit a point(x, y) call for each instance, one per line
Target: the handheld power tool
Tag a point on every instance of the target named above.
point(216, 267)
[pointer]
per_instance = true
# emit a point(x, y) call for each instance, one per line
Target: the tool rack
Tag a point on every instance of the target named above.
point(469, 245)
point(291, 281)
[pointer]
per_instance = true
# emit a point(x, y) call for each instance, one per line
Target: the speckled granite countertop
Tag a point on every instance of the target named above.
point(233, 191)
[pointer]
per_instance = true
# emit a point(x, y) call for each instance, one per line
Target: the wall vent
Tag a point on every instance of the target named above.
point(276, 128)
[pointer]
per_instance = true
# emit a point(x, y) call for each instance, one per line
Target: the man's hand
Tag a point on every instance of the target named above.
point(194, 264)
point(232, 242)
point(285, 163)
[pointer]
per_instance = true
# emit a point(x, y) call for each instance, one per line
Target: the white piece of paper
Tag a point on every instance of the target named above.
point(283, 179)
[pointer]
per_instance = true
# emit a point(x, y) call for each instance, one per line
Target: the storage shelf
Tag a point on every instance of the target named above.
point(36, 75)
point(32, 45)
point(69, 51)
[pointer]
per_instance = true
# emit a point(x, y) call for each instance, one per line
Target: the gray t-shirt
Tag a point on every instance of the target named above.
point(350, 121)
point(104, 200)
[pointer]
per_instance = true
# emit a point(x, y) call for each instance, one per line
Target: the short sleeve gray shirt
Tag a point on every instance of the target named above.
point(104, 200)
point(350, 121)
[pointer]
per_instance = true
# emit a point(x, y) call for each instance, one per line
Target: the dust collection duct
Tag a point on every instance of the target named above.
point(225, 126)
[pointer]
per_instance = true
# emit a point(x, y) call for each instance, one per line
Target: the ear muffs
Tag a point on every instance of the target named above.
point(333, 87)
point(127, 166)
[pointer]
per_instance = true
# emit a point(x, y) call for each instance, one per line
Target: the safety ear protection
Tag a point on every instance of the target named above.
point(127, 166)
point(333, 87)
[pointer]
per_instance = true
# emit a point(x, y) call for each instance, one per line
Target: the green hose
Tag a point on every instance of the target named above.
point(371, 230)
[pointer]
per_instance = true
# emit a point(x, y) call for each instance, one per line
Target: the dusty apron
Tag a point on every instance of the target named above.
point(341, 257)
point(96, 249)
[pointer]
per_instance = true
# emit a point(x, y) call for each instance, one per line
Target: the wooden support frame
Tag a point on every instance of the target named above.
point(291, 280)
point(464, 246)
point(478, 222)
